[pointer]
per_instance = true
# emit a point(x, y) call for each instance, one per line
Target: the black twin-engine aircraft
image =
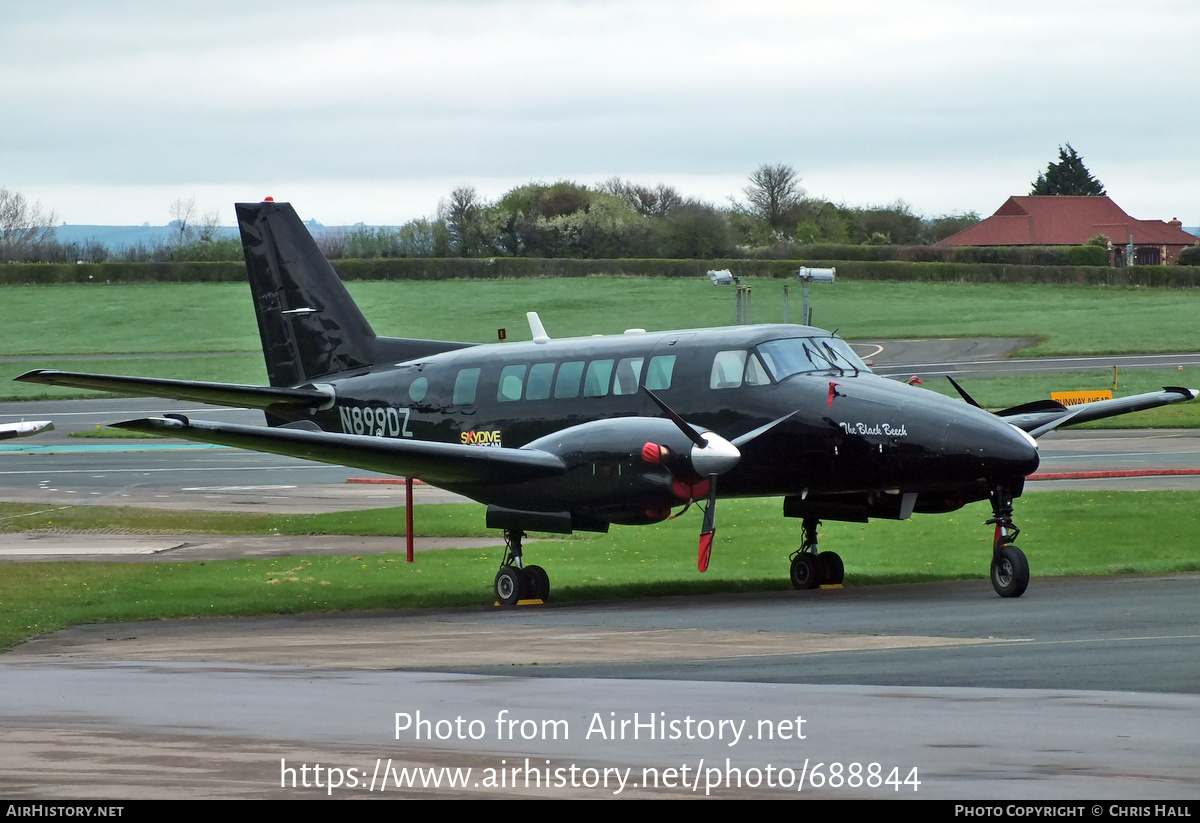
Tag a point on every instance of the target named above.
point(556, 435)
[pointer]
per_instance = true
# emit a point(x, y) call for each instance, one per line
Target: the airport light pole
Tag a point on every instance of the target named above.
point(744, 306)
point(806, 275)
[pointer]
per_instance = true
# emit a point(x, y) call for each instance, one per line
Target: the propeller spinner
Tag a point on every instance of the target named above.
point(711, 455)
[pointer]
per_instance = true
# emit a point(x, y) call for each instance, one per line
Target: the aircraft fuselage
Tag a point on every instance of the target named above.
point(851, 434)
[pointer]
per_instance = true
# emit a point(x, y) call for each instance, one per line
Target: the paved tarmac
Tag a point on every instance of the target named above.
point(990, 357)
point(1082, 689)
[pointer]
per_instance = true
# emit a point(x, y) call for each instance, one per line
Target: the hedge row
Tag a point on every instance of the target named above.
point(1172, 277)
point(427, 268)
point(1011, 255)
point(43, 273)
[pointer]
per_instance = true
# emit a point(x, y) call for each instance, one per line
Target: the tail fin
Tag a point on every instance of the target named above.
point(309, 325)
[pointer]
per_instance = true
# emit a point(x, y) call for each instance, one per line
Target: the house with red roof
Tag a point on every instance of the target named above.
point(1064, 220)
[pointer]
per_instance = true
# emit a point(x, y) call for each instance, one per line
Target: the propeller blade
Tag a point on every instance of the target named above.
point(963, 392)
point(750, 435)
point(683, 425)
point(709, 529)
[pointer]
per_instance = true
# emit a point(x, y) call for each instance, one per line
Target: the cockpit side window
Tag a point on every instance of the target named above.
point(756, 374)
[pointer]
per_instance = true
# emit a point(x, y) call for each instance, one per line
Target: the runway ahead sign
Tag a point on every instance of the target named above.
point(1074, 398)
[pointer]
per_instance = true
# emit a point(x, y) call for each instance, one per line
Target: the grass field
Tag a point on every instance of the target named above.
point(216, 321)
point(218, 317)
point(1064, 533)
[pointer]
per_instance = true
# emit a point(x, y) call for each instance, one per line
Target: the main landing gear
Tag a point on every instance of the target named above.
point(810, 568)
point(515, 582)
point(1010, 569)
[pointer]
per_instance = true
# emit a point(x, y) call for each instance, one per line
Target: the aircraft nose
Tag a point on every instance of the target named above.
point(998, 450)
point(1020, 451)
point(1008, 451)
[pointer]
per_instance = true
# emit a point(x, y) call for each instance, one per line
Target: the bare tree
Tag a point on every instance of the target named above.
point(23, 224)
point(773, 192)
point(208, 226)
point(646, 201)
point(183, 212)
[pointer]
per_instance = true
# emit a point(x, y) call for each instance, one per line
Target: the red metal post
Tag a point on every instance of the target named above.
point(408, 519)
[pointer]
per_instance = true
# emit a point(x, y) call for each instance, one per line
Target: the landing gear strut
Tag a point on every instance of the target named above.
point(1010, 568)
point(515, 581)
point(810, 568)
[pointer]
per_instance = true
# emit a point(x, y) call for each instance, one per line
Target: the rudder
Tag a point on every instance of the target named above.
point(309, 325)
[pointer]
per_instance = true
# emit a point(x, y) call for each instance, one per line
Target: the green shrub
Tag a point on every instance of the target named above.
point(1189, 257)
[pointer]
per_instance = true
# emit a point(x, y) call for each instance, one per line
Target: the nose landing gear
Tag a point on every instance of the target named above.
point(1010, 568)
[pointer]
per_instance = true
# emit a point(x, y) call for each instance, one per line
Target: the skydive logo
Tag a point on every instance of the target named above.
point(483, 437)
point(380, 421)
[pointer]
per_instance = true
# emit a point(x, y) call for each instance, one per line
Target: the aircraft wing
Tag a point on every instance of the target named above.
point(438, 463)
point(197, 391)
point(1045, 416)
point(23, 429)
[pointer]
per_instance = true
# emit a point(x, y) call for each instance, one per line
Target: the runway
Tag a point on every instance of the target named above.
point(989, 357)
point(1083, 688)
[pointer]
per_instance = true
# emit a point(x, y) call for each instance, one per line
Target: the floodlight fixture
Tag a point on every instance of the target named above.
point(807, 275)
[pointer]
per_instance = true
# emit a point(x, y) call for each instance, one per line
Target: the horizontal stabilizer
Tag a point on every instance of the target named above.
point(448, 464)
point(196, 391)
point(1038, 421)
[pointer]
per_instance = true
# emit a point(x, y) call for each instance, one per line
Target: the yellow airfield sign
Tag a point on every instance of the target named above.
point(1074, 398)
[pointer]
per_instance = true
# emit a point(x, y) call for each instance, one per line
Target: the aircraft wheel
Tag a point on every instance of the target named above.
point(1010, 572)
point(537, 583)
point(805, 574)
point(832, 568)
point(510, 585)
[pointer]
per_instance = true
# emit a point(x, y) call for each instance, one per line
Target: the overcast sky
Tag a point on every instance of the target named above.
point(373, 111)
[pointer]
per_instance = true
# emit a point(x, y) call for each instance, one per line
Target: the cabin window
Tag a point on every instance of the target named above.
point(570, 375)
point(629, 373)
point(416, 392)
point(658, 375)
point(464, 387)
point(727, 369)
point(541, 376)
point(512, 380)
point(596, 382)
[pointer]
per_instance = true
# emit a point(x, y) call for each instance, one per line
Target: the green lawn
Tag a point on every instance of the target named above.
point(218, 317)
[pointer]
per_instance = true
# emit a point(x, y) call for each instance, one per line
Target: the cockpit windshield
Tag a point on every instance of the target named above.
point(783, 358)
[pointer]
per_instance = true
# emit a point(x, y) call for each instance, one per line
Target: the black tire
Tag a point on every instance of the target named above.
point(833, 571)
point(510, 586)
point(1010, 572)
point(537, 583)
point(805, 572)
